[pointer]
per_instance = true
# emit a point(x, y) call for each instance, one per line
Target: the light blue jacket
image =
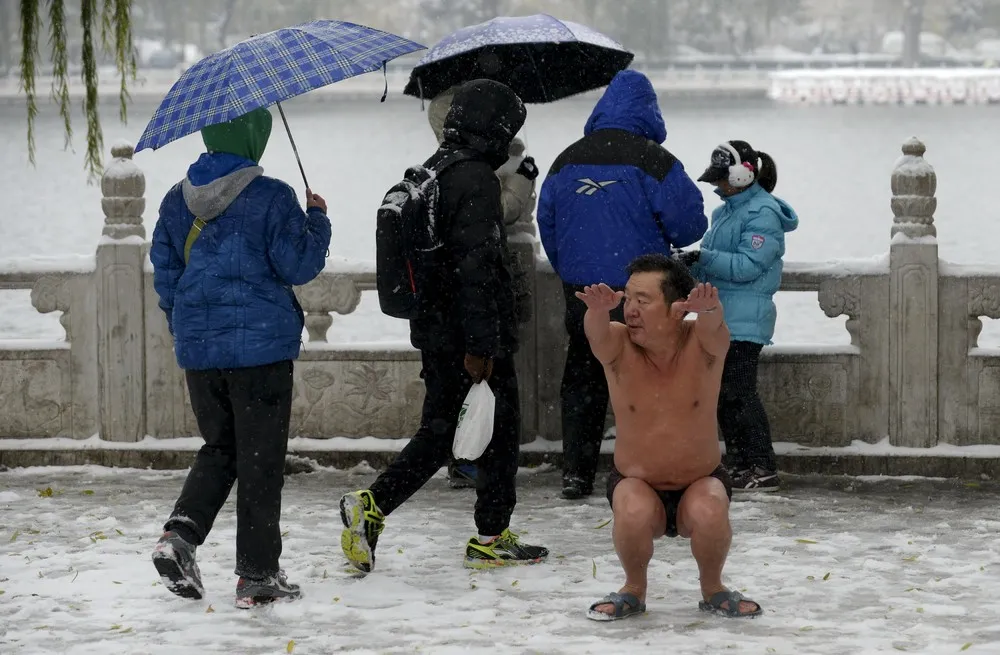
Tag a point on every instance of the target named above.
point(741, 255)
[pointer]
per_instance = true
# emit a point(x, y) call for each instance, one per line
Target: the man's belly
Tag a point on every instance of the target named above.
point(667, 461)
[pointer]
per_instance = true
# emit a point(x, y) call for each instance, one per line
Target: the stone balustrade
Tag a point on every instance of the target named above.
point(913, 371)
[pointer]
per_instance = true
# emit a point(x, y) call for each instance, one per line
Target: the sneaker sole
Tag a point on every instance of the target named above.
point(740, 490)
point(490, 564)
point(353, 540)
point(174, 579)
point(250, 602)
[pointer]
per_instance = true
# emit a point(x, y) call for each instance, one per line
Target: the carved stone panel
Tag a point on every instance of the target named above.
point(356, 398)
point(34, 397)
point(806, 402)
point(989, 405)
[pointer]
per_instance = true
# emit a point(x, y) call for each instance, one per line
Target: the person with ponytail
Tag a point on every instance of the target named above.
point(741, 255)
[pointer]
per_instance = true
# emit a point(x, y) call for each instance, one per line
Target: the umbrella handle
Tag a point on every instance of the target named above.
point(294, 149)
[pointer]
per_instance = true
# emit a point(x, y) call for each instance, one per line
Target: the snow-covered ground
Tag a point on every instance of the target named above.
point(843, 566)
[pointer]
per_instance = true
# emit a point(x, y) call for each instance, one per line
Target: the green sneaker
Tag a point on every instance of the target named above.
point(363, 523)
point(505, 550)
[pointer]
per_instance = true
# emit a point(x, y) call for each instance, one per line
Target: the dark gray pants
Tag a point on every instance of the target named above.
point(243, 415)
point(447, 384)
point(741, 414)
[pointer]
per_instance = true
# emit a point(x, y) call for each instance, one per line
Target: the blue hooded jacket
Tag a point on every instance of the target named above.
point(617, 193)
point(231, 305)
point(741, 255)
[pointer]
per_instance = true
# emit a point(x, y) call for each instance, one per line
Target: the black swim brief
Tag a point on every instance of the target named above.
point(671, 499)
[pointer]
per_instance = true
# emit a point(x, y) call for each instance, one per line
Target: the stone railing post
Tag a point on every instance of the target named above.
point(120, 286)
point(913, 303)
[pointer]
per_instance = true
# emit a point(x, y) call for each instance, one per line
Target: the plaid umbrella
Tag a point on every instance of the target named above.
point(266, 69)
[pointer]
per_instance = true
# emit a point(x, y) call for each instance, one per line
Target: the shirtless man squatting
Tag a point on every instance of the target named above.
point(664, 374)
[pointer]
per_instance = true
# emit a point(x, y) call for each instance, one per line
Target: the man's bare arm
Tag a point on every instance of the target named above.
point(712, 332)
point(710, 327)
point(606, 338)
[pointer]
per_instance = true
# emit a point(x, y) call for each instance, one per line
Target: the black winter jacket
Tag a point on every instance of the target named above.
point(470, 305)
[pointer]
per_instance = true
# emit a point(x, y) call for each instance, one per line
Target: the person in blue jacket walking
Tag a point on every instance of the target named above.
point(741, 255)
point(228, 246)
point(612, 196)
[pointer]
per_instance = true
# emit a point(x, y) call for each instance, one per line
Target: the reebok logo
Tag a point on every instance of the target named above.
point(591, 187)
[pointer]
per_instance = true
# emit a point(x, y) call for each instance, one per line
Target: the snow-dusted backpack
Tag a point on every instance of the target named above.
point(407, 243)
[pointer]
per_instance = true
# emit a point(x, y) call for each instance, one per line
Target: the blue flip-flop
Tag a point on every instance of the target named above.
point(626, 605)
point(714, 605)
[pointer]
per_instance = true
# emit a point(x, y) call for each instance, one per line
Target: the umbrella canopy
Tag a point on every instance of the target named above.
point(541, 58)
point(267, 69)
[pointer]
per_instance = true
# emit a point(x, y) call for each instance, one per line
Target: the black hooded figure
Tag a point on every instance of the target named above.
point(466, 331)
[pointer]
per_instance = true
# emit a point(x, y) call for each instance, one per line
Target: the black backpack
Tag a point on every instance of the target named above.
point(407, 243)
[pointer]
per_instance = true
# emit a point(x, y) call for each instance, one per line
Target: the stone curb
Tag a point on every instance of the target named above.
point(963, 468)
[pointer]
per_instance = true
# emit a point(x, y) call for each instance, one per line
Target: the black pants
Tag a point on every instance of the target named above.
point(741, 415)
point(584, 394)
point(243, 415)
point(446, 384)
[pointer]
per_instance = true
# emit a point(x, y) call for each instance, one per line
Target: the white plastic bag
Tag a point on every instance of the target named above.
point(475, 423)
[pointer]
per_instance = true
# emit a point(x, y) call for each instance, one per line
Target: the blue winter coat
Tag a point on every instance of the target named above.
point(232, 305)
point(617, 193)
point(741, 254)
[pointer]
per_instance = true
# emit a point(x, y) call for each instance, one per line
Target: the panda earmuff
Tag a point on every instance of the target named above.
point(741, 174)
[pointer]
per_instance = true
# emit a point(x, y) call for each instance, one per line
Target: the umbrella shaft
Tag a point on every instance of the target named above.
point(294, 149)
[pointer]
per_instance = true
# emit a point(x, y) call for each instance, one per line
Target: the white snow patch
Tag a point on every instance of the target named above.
point(834, 572)
point(33, 344)
point(899, 238)
point(131, 240)
point(883, 447)
point(49, 264)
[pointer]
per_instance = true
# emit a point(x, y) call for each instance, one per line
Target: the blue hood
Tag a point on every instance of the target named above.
point(213, 165)
point(629, 104)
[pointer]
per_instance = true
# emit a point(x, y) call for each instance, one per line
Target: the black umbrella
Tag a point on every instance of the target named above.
point(541, 58)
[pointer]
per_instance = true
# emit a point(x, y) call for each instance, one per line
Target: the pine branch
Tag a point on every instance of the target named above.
point(29, 53)
point(60, 65)
point(95, 137)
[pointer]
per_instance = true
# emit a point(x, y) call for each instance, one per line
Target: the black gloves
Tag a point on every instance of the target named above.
point(688, 258)
point(528, 168)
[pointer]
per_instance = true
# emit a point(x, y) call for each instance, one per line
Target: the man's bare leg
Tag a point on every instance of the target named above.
point(703, 517)
point(639, 519)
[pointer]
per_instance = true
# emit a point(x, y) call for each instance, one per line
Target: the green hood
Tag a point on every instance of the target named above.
point(245, 135)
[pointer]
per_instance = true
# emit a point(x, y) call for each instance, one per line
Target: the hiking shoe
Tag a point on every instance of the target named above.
point(504, 550)
point(575, 487)
point(756, 478)
point(363, 523)
point(462, 475)
point(174, 560)
point(251, 592)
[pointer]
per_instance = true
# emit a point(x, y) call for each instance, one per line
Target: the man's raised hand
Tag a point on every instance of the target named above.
point(600, 297)
point(704, 298)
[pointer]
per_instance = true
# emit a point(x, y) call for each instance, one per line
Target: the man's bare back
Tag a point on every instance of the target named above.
point(665, 411)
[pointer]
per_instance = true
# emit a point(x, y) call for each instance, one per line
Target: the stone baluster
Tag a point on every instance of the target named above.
point(330, 292)
point(913, 302)
point(53, 293)
point(120, 285)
